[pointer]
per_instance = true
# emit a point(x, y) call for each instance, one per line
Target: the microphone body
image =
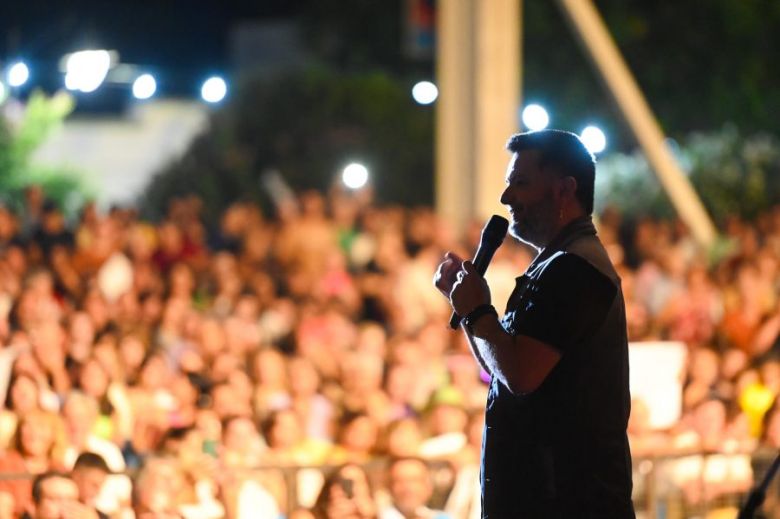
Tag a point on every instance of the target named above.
point(492, 237)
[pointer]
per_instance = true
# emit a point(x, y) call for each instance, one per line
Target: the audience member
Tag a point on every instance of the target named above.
point(157, 345)
point(346, 494)
point(410, 486)
point(55, 495)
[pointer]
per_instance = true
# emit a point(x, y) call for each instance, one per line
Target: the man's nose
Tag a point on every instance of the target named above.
point(505, 198)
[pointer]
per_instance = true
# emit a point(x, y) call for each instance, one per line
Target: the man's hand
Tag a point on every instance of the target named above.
point(446, 274)
point(469, 291)
point(339, 505)
point(76, 510)
point(460, 282)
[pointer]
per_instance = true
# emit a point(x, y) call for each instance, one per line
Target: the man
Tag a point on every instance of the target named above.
point(410, 490)
point(90, 473)
point(55, 496)
point(156, 490)
point(81, 412)
point(555, 426)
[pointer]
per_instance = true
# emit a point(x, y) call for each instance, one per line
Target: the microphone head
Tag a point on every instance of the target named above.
point(495, 230)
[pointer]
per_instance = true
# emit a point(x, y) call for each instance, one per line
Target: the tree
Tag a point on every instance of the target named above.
point(700, 66)
point(21, 136)
point(308, 126)
point(733, 174)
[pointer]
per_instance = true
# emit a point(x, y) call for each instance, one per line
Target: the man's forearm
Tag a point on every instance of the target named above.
point(475, 350)
point(520, 363)
point(494, 348)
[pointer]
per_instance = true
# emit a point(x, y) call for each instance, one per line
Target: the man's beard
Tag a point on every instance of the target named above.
point(524, 234)
point(530, 229)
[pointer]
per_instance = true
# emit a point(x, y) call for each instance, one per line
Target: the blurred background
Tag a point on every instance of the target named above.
point(219, 223)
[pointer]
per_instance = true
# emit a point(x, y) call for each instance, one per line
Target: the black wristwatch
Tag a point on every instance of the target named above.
point(472, 317)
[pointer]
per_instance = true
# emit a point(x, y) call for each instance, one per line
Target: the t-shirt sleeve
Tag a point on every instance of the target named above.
point(568, 302)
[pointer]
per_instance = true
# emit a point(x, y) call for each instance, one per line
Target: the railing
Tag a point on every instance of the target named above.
point(701, 485)
point(665, 487)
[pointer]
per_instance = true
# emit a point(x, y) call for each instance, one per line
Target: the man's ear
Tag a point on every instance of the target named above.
point(569, 186)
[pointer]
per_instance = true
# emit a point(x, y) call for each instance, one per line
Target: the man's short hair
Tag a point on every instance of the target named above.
point(90, 460)
point(565, 152)
point(397, 460)
point(40, 479)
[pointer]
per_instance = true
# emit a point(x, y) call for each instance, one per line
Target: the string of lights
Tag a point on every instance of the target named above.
point(86, 71)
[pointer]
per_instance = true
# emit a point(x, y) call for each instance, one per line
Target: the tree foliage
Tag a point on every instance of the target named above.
point(21, 136)
point(700, 68)
point(733, 174)
point(308, 126)
point(700, 65)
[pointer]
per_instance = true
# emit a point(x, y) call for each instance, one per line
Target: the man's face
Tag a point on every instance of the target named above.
point(286, 431)
point(240, 435)
point(79, 418)
point(36, 436)
point(56, 494)
point(89, 481)
point(530, 198)
point(410, 485)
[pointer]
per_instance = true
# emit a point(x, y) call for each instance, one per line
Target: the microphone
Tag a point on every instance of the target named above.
point(492, 236)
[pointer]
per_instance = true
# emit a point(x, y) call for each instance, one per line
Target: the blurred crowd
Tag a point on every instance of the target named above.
point(300, 364)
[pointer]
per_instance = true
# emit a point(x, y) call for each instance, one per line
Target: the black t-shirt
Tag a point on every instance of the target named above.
point(562, 451)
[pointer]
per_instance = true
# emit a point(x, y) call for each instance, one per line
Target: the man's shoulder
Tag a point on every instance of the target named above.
point(571, 263)
point(591, 250)
point(108, 450)
point(572, 282)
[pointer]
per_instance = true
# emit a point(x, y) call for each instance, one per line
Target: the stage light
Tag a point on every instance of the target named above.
point(144, 86)
point(425, 92)
point(355, 175)
point(213, 90)
point(86, 70)
point(594, 139)
point(535, 117)
point(18, 74)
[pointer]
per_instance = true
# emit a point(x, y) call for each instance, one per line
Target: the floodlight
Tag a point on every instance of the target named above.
point(85, 70)
point(594, 139)
point(535, 117)
point(355, 175)
point(425, 92)
point(18, 74)
point(144, 86)
point(214, 89)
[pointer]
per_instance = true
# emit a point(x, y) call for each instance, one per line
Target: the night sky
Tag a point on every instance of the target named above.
point(180, 39)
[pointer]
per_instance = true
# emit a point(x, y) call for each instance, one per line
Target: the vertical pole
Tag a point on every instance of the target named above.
point(497, 97)
point(478, 73)
point(455, 130)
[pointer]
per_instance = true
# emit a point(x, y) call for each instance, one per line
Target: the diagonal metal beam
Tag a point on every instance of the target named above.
point(596, 39)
